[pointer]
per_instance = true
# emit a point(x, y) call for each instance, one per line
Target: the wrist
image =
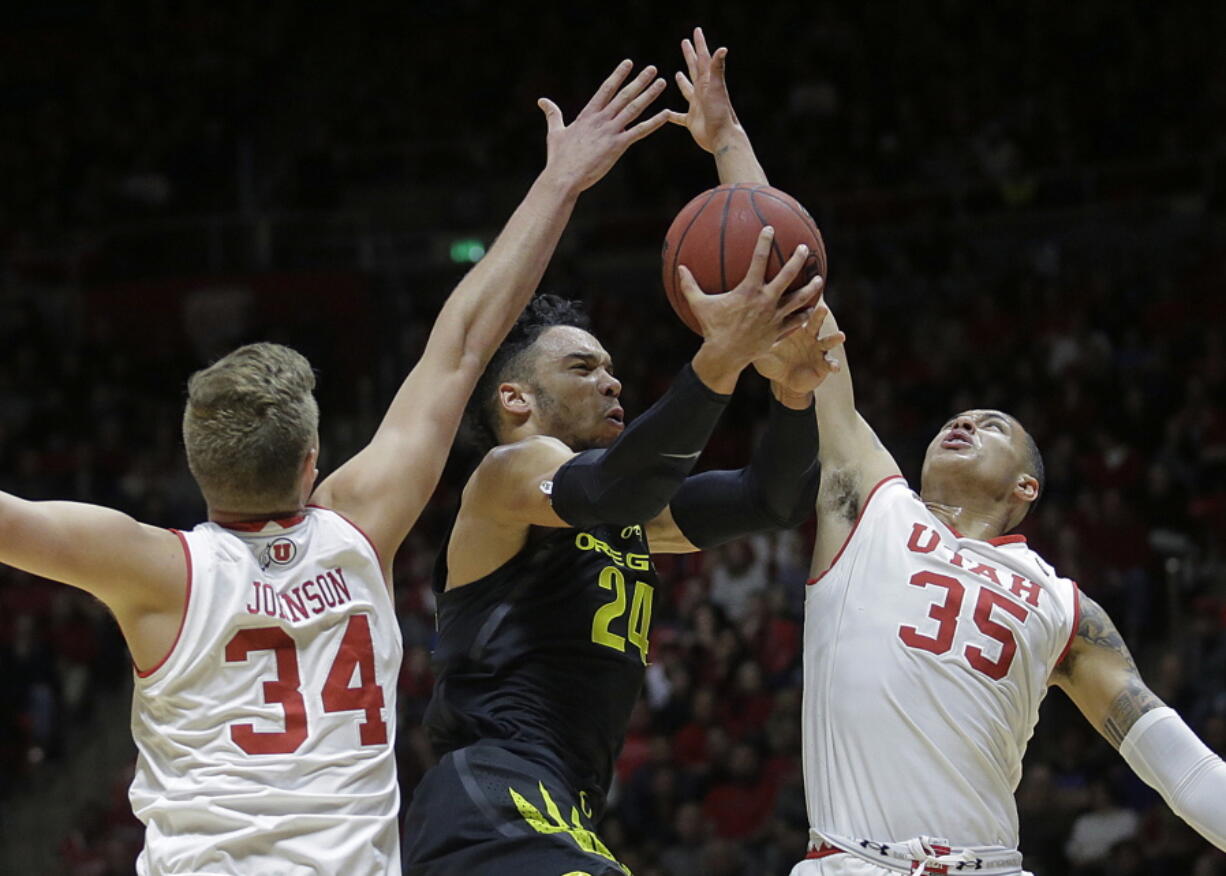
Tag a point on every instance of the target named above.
point(795, 401)
point(560, 184)
point(730, 139)
point(717, 368)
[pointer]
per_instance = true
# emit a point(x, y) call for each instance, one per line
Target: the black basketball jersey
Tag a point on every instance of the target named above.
point(548, 650)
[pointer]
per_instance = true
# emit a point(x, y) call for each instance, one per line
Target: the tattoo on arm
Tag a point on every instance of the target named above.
point(1126, 709)
point(1096, 630)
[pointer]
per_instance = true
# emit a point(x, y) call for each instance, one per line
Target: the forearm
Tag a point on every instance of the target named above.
point(736, 162)
point(633, 479)
point(1164, 751)
point(777, 490)
point(482, 308)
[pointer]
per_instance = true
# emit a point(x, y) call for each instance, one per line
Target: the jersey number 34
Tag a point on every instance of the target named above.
point(285, 690)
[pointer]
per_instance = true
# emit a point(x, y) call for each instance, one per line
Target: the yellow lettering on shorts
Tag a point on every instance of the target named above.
point(586, 839)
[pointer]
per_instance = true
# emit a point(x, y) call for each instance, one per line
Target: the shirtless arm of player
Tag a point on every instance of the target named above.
point(385, 486)
point(137, 571)
point(1101, 678)
point(852, 458)
point(643, 467)
point(776, 484)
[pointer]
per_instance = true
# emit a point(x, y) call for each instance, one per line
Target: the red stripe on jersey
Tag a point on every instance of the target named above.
point(1007, 539)
point(881, 483)
point(360, 530)
point(257, 525)
point(1076, 622)
point(187, 598)
point(822, 851)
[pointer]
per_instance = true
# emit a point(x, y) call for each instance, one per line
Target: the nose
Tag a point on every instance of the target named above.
point(612, 386)
point(966, 424)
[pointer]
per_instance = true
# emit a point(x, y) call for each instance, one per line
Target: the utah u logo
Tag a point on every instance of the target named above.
point(282, 551)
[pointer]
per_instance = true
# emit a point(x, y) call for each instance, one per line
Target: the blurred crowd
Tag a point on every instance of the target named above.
point(1099, 327)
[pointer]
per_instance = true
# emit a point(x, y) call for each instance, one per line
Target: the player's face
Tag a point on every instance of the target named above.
point(576, 394)
point(978, 449)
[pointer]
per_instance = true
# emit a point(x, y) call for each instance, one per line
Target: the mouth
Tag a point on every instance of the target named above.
point(617, 416)
point(956, 439)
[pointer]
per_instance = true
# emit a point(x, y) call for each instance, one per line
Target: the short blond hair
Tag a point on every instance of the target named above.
point(249, 423)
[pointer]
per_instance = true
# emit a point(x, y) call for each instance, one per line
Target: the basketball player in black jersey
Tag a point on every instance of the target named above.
point(546, 587)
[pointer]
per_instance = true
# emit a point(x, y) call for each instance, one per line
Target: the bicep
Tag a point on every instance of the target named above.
point(847, 442)
point(124, 563)
point(1101, 678)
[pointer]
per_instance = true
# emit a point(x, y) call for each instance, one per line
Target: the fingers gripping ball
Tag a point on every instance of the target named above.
point(714, 236)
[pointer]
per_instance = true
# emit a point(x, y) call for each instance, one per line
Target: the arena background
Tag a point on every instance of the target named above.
point(1023, 205)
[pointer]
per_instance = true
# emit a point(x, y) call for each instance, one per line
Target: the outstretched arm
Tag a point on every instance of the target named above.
point(852, 459)
point(385, 486)
point(710, 118)
point(1101, 678)
point(137, 571)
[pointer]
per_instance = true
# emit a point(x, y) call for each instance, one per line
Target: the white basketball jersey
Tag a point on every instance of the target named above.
point(926, 656)
point(266, 736)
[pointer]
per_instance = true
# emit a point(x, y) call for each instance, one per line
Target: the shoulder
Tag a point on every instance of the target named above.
point(531, 448)
point(508, 463)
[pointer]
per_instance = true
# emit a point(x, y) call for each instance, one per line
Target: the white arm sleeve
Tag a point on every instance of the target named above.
point(1164, 751)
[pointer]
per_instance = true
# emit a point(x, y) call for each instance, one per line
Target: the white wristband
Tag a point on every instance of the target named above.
point(1164, 751)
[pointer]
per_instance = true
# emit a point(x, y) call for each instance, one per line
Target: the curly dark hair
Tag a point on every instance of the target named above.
point(512, 361)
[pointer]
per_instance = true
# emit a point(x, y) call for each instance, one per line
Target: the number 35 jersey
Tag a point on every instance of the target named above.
point(926, 658)
point(548, 651)
point(265, 735)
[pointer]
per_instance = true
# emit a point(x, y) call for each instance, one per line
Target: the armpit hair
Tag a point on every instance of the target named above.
point(839, 494)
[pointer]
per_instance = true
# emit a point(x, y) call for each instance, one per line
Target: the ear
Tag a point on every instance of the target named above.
point(515, 399)
point(1027, 488)
point(310, 468)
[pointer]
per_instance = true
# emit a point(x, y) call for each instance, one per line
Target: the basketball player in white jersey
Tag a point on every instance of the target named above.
point(931, 636)
point(264, 641)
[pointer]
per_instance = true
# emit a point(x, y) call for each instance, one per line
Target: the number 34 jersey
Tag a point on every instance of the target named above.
point(926, 657)
point(265, 735)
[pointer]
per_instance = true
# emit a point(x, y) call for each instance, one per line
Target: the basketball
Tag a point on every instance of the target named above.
point(714, 236)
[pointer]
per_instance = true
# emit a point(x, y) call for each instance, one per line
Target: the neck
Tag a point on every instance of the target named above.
point(218, 515)
point(971, 522)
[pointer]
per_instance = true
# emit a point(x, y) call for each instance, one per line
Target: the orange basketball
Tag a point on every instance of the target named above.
point(714, 236)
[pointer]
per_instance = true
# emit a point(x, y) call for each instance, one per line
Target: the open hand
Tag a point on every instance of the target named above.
point(801, 361)
point(710, 117)
point(744, 324)
point(583, 151)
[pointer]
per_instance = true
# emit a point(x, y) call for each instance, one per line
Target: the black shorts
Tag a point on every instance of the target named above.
point(486, 810)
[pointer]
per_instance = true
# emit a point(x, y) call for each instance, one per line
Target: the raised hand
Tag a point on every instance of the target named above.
point(580, 153)
point(743, 324)
point(802, 360)
point(710, 117)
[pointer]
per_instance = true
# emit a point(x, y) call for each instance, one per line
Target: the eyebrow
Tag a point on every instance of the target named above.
point(998, 417)
point(589, 359)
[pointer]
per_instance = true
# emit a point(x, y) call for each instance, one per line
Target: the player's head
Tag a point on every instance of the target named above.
point(550, 377)
point(984, 457)
point(251, 429)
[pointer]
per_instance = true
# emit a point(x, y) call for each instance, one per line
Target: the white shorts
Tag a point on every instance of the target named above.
point(838, 865)
point(847, 865)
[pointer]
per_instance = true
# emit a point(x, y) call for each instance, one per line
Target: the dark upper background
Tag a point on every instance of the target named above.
point(1023, 206)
